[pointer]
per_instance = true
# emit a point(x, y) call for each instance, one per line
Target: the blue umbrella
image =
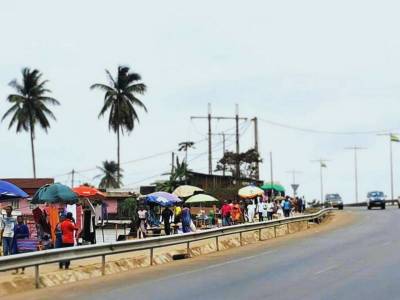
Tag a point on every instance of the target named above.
point(55, 193)
point(162, 199)
point(10, 191)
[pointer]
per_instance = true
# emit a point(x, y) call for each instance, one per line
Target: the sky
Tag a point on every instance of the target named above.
point(320, 65)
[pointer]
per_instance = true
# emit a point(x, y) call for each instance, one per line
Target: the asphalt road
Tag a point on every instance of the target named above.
point(358, 261)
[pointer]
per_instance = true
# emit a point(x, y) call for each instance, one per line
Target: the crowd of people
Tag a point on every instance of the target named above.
point(235, 212)
point(14, 235)
point(179, 219)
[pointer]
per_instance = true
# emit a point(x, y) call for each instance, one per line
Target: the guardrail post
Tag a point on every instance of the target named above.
point(274, 231)
point(217, 242)
point(241, 239)
point(37, 277)
point(259, 235)
point(151, 256)
point(188, 249)
point(103, 265)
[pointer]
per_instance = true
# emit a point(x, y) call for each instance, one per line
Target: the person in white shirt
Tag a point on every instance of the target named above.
point(7, 224)
point(142, 230)
point(251, 210)
point(270, 209)
point(260, 210)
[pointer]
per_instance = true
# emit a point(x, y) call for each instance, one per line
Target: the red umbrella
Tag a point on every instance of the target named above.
point(87, 191)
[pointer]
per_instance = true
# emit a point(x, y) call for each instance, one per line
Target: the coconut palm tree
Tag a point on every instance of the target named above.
point(185, 146)
point(109, 176)
point(120, 100)
point(29, 106)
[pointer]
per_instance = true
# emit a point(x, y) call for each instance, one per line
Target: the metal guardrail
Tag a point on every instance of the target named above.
point(36, 259)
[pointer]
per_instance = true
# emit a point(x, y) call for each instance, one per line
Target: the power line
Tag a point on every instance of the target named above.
point(309, 130)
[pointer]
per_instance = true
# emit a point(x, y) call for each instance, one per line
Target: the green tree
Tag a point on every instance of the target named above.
point(129, 209)
point(247, 162)
point(29, 106)
point(109, 176)
point(120, 100)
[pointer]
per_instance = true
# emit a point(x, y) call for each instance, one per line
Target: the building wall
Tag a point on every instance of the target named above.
point(112, 205)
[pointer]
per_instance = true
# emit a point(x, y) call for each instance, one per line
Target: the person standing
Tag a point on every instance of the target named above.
point(21, 231)
point(236, 213)
point(186, 219)
point(251, 209)
point(68, 229)
point(300, 204)
point(177, 217)
point(226, 214)
point(167, 215)
point(58, 232)
point(270, 209)
point(142, 216)
point(7, 224)
point(287, 207)
point(260, 210)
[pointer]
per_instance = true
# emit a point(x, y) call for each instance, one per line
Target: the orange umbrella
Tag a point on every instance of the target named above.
point(87, 191)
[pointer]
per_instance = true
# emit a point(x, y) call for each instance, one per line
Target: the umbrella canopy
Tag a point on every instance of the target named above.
point(55, 193)
point(201, 198)
point(10, 191)
point(185, 191)
point(162, 199)
point(87, 191)
point(250, 191)
point(273, 186)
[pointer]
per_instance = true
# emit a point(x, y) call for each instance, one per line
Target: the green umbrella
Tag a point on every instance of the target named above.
point(275, 186)
point(201, 198)
point(54, 193)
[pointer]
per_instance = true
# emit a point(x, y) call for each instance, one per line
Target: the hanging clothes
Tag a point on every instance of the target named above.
point(53, 220)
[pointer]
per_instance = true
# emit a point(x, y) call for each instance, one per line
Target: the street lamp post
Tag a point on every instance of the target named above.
point(321, 165)
point(355, 149)
point(392, 138)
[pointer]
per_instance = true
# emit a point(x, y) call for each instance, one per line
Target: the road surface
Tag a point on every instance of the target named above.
point(358, 261)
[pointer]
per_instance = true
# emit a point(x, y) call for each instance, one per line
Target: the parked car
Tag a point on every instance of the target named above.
point(376, 199)
point(333, 200)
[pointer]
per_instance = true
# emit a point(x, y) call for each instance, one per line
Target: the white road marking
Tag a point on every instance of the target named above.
point(326, 270)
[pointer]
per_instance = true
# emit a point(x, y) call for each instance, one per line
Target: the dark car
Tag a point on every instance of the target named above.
point(333, 200)
point(376, 199)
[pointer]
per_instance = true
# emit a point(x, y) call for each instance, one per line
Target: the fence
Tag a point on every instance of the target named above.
point(36, 259)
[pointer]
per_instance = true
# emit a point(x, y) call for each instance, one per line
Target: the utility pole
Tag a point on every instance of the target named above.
point(321, 166)
point(210, 118)
point(209, 140)
point(272, 173)
point(255, 120)
point(392, 138)
point(172, 162)
point(355, 149)
point(294, 184)
point(72, 178)
point(237, 145)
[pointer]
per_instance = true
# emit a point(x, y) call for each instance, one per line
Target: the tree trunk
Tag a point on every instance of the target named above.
point(118, 157)
point(33, 153)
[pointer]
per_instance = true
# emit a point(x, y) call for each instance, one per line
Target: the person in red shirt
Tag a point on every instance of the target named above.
point(226, 214)
point(68, 229)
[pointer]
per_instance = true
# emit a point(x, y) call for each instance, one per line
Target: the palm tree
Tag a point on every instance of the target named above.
point(120, 100)
point(180, 175)
point(184, 146)
point(109, 176)
point(29, 106)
